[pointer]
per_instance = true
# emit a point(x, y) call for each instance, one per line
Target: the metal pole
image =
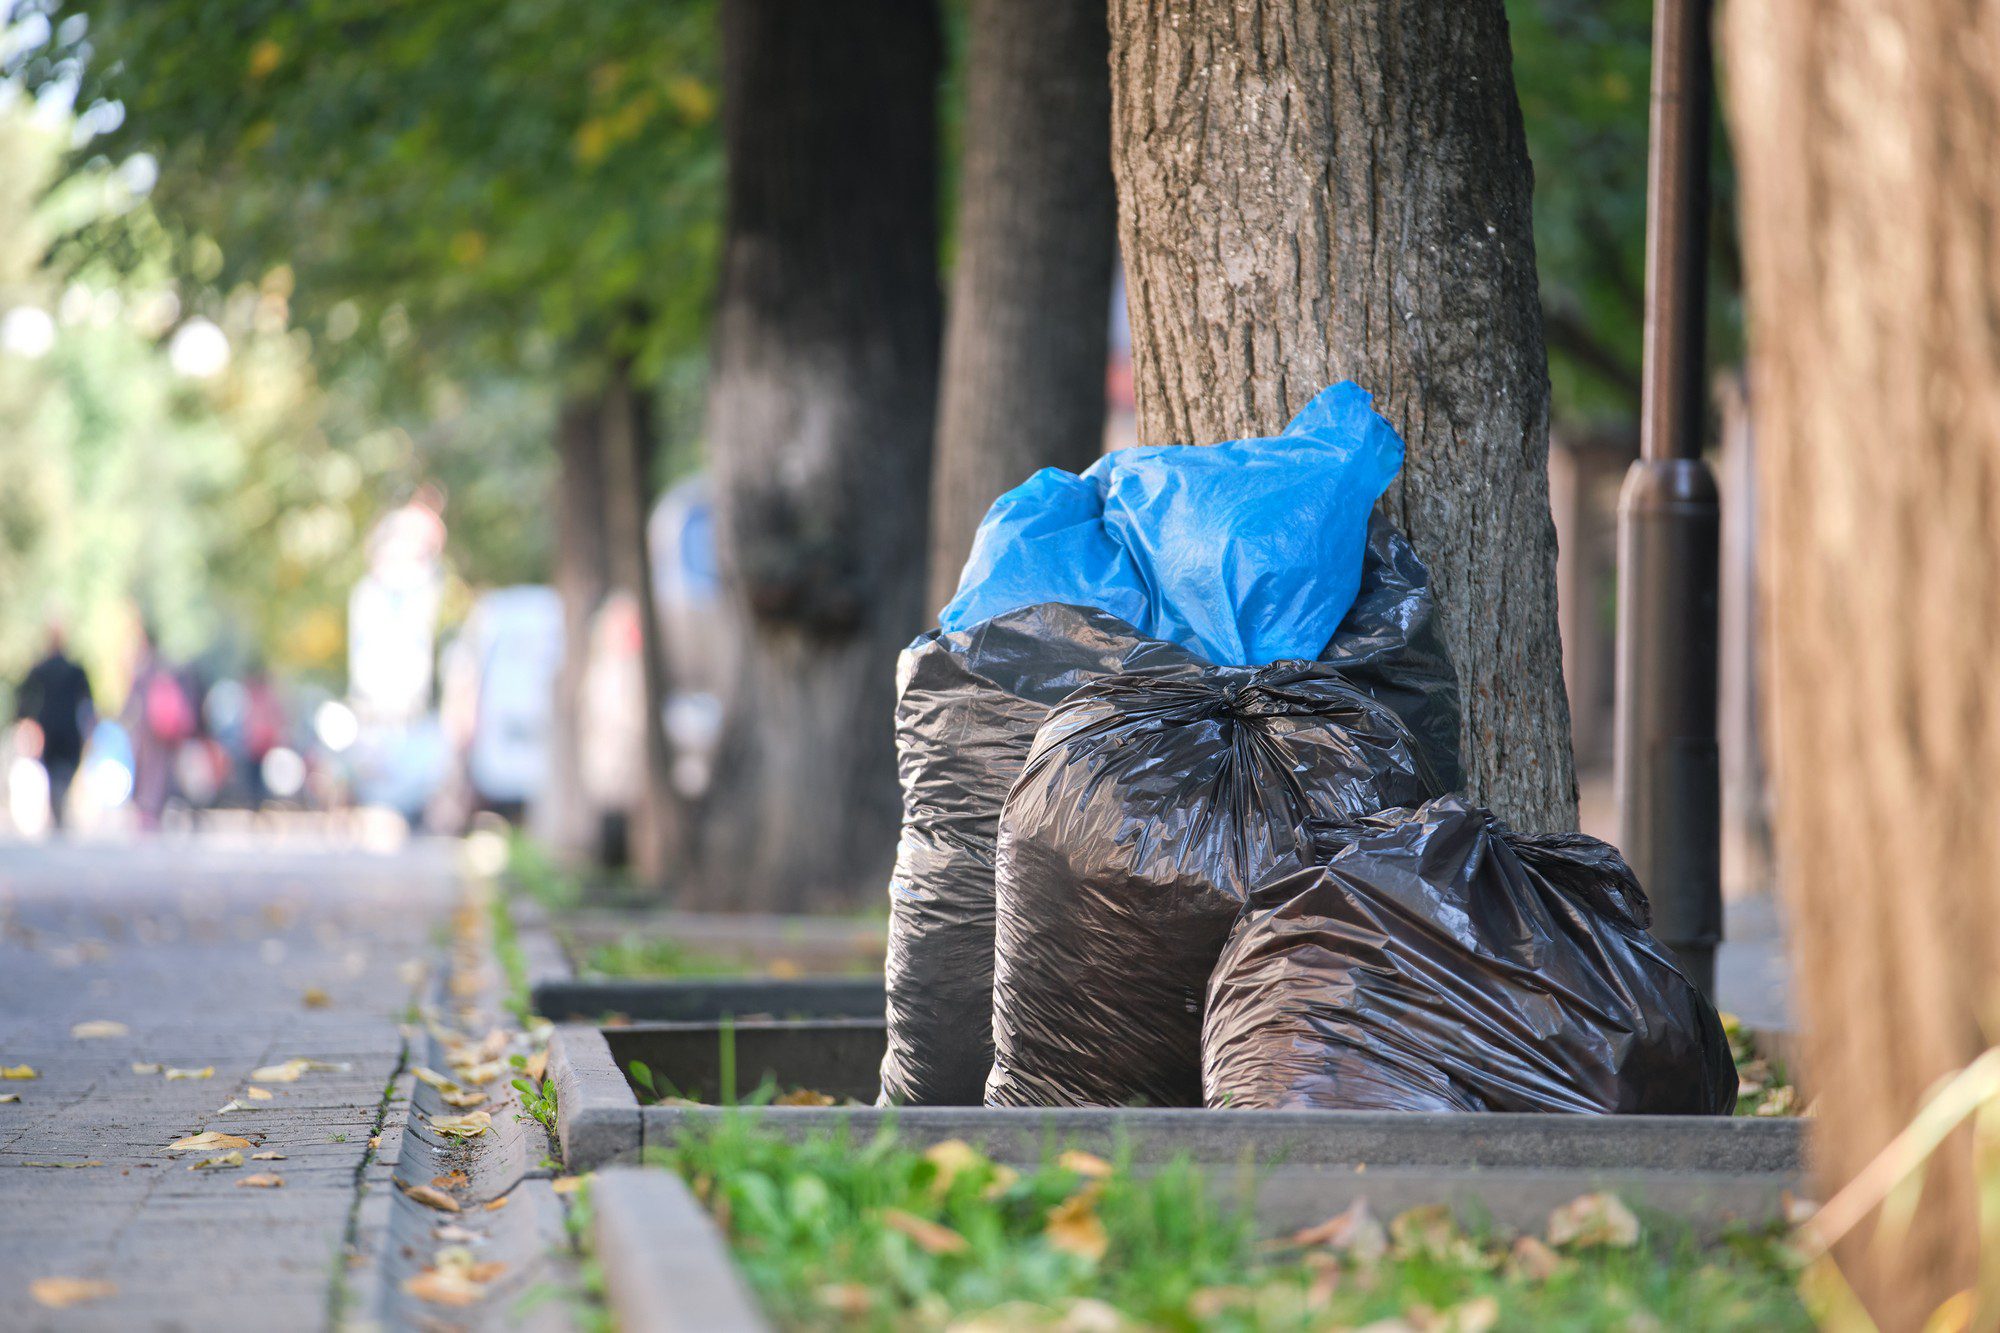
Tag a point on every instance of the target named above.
point(1669, 528)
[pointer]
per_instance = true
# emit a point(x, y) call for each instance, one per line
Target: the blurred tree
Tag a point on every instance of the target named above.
point(461, 188)
point(1344, 194)
point(821, 408)
point(1870, 189)
point(1024, 354)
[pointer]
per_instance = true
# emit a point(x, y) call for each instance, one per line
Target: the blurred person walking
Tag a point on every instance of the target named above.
point(56, 711)
point(159, 716)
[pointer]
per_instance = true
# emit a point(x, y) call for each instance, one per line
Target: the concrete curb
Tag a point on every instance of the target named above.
point(597, 1115)
point(707, 1000)
point(666, 1268)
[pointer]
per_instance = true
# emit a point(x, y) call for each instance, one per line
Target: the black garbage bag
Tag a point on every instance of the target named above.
point(966, 711)
point(1437, 961)
point(968, 704)
point(1149, 808)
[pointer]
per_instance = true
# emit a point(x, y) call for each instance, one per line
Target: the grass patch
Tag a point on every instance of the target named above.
point(874, 1235)
point(1763, 1085)
point(639, 956)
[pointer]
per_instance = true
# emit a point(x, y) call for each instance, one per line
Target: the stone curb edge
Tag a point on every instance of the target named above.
point(666, 1268)
point(597, 1115)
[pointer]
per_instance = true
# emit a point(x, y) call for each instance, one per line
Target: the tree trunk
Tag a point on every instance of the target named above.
point(1023, 384)
point(819, 430)
point(655, 837)
point(1309, 193)
point(582, 573)
point(1864, 132)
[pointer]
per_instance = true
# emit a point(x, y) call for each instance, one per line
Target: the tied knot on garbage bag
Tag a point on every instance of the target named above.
point(1149, 810)
point(1031, 624)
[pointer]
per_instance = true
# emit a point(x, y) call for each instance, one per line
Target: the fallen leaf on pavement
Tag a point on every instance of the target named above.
point(456, 1280)
point(231, 1105)
point(431, 1197)
point(9, 1097)
point(59, 1293)
point(931, 1237)
point(1074, 1227)
point(425, 1074)
point(206, 1071)
point(292, 1070)
point(208, 1138)
point(263, 1180)
point(453, 1233)
point(148, 1067)
point(1084, 1164)
point(484, 1072)
point(257, 1094)
point(463, 1097)
point(568, 1184)
point(18, 1071)
point(803, 1097)
point(315, 998)
point(65, 1166)
point(537, 1066)
point(267, 1157)
point(224, 1162)
point(494, 1205)
point(1594, 1220)
point(468, 1126)
point(456, 1180)
point(99, 1027)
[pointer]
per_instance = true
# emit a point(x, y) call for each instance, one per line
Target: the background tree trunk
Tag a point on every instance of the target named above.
point(1031, 286)
point(1864, 133)
point(1309, 193)
point(656, 836)
point(582, 573)
point(819, 430)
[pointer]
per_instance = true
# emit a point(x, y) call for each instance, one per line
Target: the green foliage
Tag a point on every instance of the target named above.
point(499, 180)
point(539, 1102)
point(833, 1233)
point(1583, 68)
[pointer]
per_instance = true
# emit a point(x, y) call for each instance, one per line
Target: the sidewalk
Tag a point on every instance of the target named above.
point(230, 959)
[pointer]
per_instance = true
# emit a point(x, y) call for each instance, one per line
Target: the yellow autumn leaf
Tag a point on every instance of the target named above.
point(426, 1075)
point(1074, 1226)
point(463, 1098)
point(1353, 1231)
point(257, 1094)
point(931, 1237)
point(470, 1125)
point(315, 998)
point(569, 1184)
point(263, 1180)
point(432, 1198)
point(438, 1286)
point(176, 1075)
point(1594, 1220)
point(952, 1157)
point(18, 1071)
point(494, 1205)
point(1084, 1164)
point(803, 1097)
point(265, 57)
point(148, 1067)
point(59, 1293)
point(267, 1157)
point(537, 1066)
point(95, 1028)
point(484, 1072)
point(223, 1162)
point(207, 1139)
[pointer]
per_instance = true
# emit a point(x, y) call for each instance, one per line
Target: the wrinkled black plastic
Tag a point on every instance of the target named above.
point(966, 712)
point(1149, 808)
point(1436, 961)
point(967, 708)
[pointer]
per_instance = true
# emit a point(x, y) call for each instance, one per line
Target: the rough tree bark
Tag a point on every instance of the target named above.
point(656, 836)
point(1023, 384)
point(1312, 192)
point(1864, 135)
point(823, 395)
point(581, 574)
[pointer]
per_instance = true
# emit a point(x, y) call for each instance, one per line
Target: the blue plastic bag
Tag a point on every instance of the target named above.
point(1247, 552)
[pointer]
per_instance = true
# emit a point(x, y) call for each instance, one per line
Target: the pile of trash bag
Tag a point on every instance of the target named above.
point(1156, 760)
point(1434, 960)
point(1151, 807)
